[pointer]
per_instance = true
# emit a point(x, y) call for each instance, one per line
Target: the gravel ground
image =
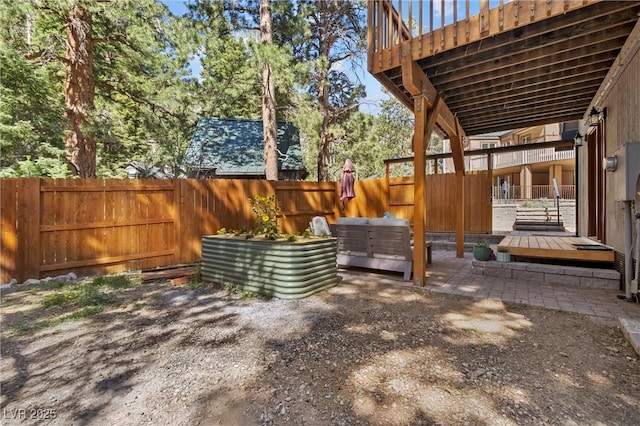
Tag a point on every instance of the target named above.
point(359, 353)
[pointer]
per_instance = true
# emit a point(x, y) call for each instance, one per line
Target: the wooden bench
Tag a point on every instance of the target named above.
point(382, 244)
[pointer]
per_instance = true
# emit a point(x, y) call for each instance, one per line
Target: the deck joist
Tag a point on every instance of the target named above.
point(557, 247)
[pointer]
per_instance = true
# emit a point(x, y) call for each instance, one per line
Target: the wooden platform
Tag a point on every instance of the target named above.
point(556, 247)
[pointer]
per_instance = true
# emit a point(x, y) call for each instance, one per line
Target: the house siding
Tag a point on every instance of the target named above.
point(622, 125)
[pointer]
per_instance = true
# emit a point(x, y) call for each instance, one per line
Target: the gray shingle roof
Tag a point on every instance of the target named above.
point(235, 147)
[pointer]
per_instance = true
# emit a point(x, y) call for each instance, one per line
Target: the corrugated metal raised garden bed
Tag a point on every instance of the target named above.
point(280, 268)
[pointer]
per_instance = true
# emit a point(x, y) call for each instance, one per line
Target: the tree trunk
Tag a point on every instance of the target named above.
point(79, 92)
point(268, 97)
point(323, 149)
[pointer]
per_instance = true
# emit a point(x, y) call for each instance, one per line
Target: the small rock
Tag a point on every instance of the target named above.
point(477, 373)
point(60, 278)
point(72, 276)
point(31, 281)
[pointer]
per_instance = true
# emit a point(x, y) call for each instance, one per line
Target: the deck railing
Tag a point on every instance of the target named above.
point(517, 158)
point(439, 25)
point(532, 192)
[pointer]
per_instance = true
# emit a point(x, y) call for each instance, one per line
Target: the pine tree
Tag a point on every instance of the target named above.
point(336, 38)
point(108, 52)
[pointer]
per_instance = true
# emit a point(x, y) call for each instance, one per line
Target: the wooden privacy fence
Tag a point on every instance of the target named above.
point(441, 202)
point(53, 226)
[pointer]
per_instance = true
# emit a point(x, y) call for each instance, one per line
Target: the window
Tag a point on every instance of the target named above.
point(486, 145)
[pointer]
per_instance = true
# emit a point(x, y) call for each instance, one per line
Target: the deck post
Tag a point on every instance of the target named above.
point(419, 212)
point(425, 121)
point(458, 156)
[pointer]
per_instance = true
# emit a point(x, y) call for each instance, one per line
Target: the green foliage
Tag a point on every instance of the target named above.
point(335, 35)
point(482, 243)
point(87, 294)
point(237, 290)
point(31, 123)
point(539, 203)
point(82, 295)
point(147, 101)
point(142, 107)
point(57, 299)
point(112, 281)
point(266, 210)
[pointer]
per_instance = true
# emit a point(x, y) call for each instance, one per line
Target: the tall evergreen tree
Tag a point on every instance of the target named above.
point(108, 52)
point(248, 15)
point(269, 123)
point(336, 40)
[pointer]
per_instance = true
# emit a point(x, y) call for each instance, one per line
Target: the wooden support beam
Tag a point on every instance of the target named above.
point(416, 82)
point(419, 178)
point(429, 109)
point(457, 150)
point(458, 161)
point(460, 215)
point(425, 123)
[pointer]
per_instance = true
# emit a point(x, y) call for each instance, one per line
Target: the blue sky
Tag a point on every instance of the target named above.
point(373, 88)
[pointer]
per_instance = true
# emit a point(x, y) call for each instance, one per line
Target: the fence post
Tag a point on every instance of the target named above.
point(9, 242)
point(177, 224)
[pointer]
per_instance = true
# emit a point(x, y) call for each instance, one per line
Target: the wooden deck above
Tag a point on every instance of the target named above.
point(500, 65)
point(552, 247)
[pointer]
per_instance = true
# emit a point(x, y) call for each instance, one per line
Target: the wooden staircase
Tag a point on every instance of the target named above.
point(538, 219)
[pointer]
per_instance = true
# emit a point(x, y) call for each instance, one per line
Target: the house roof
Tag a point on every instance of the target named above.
point(235, 147)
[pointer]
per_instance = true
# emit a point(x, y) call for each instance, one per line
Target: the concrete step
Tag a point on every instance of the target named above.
point(572, 276)
point(545, 227)
point(450, 246)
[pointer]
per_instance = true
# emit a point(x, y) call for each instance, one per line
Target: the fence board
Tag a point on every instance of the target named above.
point(28, 223)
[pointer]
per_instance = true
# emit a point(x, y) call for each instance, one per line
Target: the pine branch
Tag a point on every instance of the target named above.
point(114, 38)
point(46, 56)
point(154, 107)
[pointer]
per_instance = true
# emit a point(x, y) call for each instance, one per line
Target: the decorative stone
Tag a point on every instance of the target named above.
point(9, 284)
point(31, 281)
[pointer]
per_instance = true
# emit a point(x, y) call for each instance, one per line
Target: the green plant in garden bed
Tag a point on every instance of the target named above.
point(267, 210)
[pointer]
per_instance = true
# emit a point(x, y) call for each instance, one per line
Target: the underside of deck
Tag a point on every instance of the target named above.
point(521, 64)
point(579, 249)
point(500, 66)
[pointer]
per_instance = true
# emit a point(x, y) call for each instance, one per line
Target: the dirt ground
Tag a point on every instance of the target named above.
point(356, 354)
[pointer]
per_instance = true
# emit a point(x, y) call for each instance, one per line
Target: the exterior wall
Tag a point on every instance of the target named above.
point(539, 179)
point(622, 125)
